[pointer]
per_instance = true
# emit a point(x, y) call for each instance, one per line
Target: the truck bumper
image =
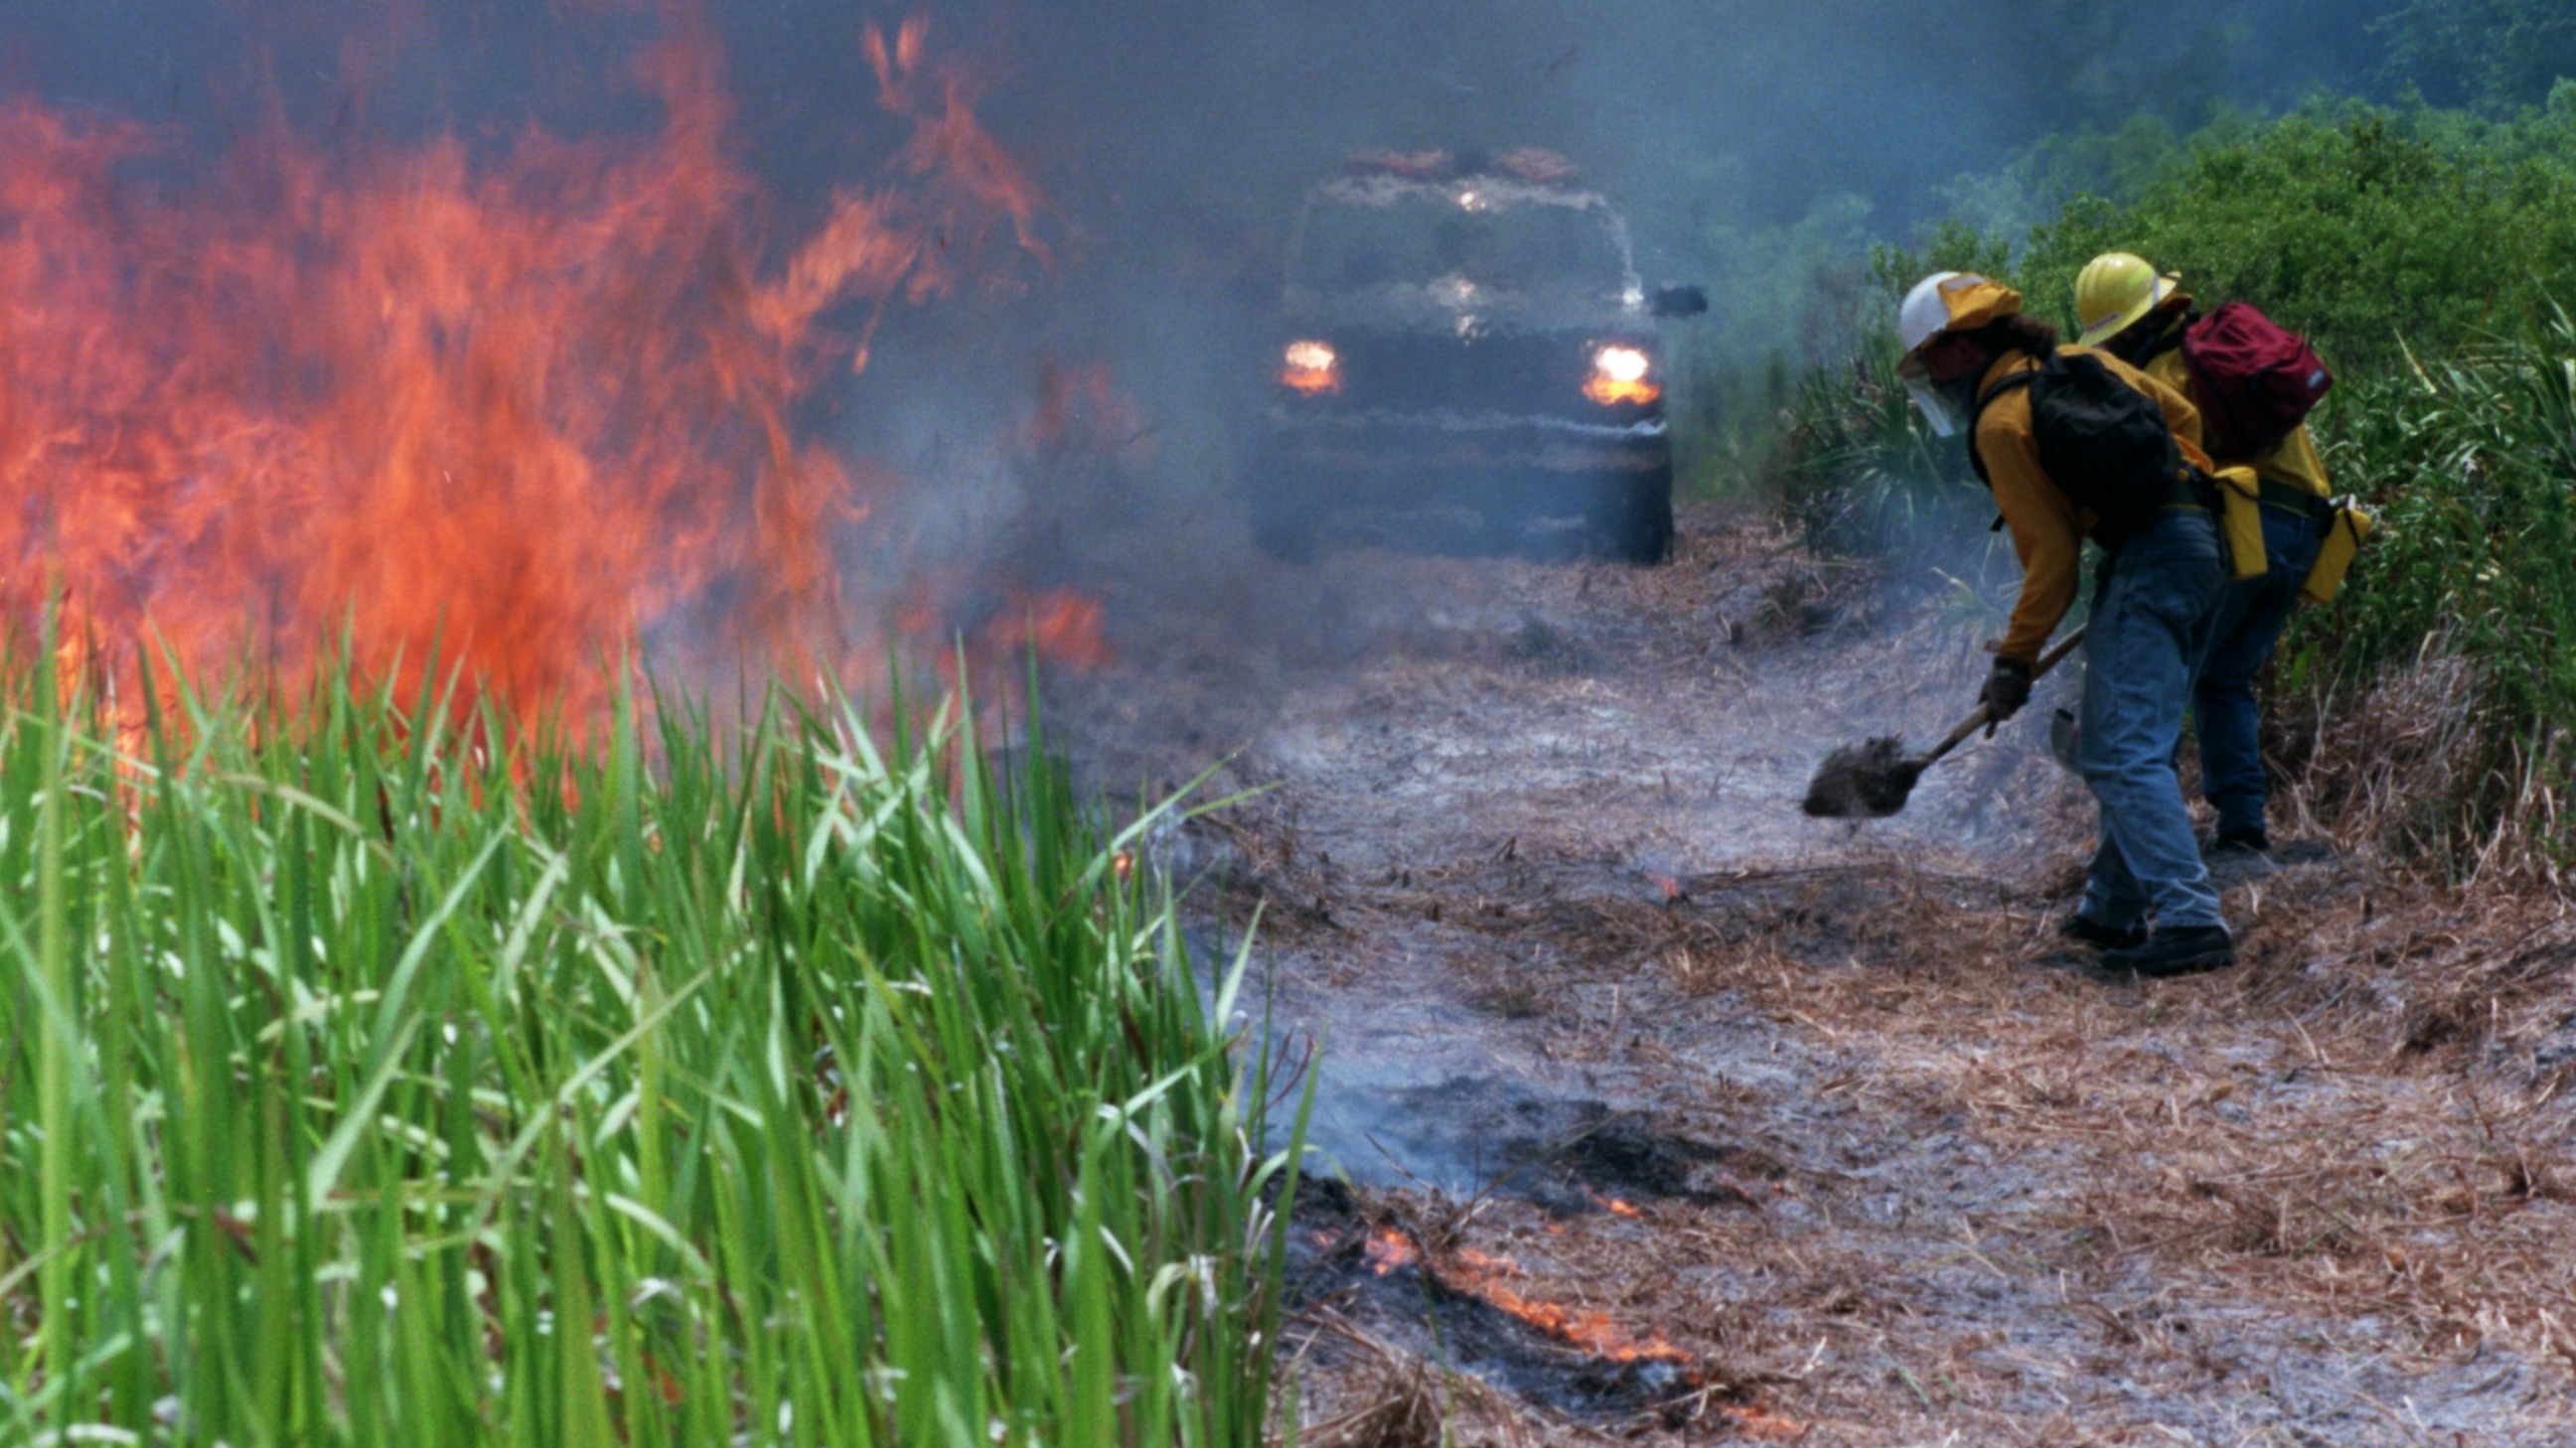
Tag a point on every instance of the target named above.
point(1451, 459)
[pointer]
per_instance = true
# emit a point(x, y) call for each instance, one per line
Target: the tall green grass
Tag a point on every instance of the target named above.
point(1862, 475)
point(708, 1088)
point(2471, 463)
point(1861, 472)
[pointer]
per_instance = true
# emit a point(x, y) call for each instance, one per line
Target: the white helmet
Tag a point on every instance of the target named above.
point(1924, 315)
point(1942, 302)
point(1952, 301)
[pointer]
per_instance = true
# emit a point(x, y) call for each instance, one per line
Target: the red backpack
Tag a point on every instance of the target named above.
point(2260, 381)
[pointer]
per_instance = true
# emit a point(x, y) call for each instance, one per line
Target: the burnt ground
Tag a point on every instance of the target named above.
point(1809, 1129)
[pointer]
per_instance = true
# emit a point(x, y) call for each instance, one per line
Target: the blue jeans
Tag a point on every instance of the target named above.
point(2152, 610)
point(2251, 615)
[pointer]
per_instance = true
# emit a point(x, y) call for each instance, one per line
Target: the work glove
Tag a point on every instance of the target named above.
point(2007, 690)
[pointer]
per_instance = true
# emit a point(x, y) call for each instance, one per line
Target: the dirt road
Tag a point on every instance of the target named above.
point(1674, 1115)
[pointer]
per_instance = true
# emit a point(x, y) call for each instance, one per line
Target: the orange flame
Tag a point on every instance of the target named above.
point(1587, 1328)
point(1390, 1249)
point(1612, 1205)
point(1061, 626)
point(1763, 1427)
point(1484, 1276)
point(528, 415)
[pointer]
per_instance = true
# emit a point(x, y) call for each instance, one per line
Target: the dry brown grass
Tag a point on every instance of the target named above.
point(2346, 1129)
point(2419, 1183)
point(1357, 1390)
point(2398, 770)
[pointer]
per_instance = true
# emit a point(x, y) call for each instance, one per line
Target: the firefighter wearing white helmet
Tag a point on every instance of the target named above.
point(1974, 362)
point(2141, 315)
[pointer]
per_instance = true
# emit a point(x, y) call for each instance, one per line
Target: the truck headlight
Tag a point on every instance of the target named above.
point(1312, 368)
point(1622, 374)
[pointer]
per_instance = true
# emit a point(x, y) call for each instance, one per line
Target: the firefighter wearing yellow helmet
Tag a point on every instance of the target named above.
point(1973, 361)
point(2140, 315)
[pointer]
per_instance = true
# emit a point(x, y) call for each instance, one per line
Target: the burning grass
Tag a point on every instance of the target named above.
point(1508, 1322)
point(522, 406)
point(786, 1084)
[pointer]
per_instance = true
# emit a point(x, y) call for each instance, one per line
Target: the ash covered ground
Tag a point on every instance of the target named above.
point(1655, 1110)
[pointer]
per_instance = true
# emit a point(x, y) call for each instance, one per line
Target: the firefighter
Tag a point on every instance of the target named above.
point(2129, 309)
point(1973, 360)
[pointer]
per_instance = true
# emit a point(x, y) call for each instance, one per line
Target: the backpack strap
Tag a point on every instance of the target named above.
point(2006, 383)
point(2140, 354)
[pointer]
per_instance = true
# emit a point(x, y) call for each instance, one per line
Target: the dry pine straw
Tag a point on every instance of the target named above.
point(1356, 1390)
point(2349, 1125)
point(2414, 1167)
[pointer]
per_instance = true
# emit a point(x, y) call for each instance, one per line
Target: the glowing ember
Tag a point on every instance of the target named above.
point(1671, 887)
point(1485, 1277)
point(1763, 1427)
point(1390, 1249)
point(528, 412)
point(1612, 1205)
point(1587, 1328)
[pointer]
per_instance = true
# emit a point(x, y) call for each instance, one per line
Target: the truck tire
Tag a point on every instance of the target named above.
point(1634, 522)
point(1286, 526)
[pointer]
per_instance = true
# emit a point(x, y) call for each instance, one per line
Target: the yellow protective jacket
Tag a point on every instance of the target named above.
point(2293, 460)
point(2047, 531)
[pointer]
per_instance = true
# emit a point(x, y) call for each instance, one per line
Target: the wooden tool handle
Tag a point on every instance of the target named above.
point(1985, 712)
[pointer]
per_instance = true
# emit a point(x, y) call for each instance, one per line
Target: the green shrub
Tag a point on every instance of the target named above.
point(1782, 301)
point(2367, 229)
point(2495, 54)
point(1858, 469)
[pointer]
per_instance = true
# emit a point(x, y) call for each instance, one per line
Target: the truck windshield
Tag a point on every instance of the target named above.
point(1415, 239)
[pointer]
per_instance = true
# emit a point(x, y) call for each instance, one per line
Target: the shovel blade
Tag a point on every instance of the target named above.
point(1870, 781)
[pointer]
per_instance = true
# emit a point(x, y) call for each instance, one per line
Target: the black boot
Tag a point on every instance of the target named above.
point(2240, 857)
point(2180, 950)
point(2084, 930)
point(2247, 837)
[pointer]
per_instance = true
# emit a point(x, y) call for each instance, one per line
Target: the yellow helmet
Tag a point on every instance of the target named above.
point(2114, 291)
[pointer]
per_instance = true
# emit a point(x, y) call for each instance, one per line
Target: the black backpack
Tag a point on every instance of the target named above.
point(2103, 442)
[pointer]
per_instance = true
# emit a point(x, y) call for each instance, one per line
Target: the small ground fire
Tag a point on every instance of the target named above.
point(1488, 1278)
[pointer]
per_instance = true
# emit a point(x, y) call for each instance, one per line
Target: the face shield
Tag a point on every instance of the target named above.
point(1940, 410)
